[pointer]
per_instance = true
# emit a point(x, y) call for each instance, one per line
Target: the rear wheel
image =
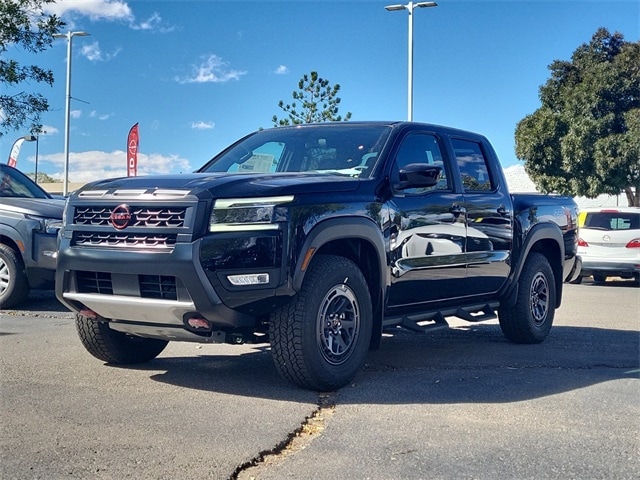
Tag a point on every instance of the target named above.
point(530, 319)
point(116, 347)
point(320, 339)
point(14, 286)
point(599, 279)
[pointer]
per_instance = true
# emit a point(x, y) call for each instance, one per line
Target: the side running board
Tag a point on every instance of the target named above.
point(437, 320)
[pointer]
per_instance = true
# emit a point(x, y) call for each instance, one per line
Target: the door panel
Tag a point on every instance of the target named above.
point(489, 221)
point(428, 230)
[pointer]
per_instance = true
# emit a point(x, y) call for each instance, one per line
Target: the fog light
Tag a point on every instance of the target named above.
point(249, 279)
point(87, 312)
point(198, 322)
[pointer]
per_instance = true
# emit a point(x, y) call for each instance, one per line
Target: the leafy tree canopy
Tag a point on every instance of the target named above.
point(585, 137)
point(43, 178)
point(24, 25)
point(318, 102)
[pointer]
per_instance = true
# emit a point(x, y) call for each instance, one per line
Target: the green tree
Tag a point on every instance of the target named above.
point(43, 178)
point(24, 25)
point(318, 102)
point(585, 137)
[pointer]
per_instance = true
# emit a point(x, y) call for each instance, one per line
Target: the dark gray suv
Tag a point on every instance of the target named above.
point(29, 222)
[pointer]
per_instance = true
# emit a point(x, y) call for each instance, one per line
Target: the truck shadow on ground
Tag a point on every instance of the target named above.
point(474, 364)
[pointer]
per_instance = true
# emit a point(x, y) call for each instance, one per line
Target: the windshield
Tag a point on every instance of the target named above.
point(14, 183)
point(337, 149)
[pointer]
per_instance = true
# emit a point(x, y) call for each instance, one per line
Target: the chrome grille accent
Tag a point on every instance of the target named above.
point(120, 240)
point(155, 217)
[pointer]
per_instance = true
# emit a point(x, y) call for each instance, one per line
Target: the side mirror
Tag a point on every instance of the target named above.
point(418, 175)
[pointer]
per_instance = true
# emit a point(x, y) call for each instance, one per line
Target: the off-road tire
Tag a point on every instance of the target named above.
point(116, 347)
point(320, 339)
point(531, 318)
point(14, 285)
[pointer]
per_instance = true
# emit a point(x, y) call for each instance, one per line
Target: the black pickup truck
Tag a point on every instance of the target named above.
point(315, 239)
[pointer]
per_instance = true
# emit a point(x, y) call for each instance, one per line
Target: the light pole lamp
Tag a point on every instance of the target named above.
point(69, 35)
point(410, 7)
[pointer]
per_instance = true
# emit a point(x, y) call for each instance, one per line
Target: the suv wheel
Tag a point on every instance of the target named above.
point(321, 338)
point(530, 319)
point(14, 286)
point(116, 347)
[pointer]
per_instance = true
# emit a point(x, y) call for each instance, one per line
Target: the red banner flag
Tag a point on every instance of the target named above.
point(15, 151)
point(132, 152)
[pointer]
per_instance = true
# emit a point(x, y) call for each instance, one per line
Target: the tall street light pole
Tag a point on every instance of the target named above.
point(410, 7)
point(69, 35)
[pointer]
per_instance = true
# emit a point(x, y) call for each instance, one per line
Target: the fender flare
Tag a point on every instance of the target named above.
point(13, 235)
point(537, 233)
point(341, 229)
point(360, 228)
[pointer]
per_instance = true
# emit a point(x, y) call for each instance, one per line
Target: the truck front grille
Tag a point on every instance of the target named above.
point(94, 282)
point(158, 286)
point(153, 217)
point(118, 240)
point(150, 286)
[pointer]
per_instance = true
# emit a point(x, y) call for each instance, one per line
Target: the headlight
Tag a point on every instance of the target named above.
point(245, 213)
point(48, 225)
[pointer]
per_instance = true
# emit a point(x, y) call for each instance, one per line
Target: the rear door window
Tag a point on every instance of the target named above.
point(473, 166)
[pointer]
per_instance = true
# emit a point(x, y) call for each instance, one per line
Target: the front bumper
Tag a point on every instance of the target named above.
point(147, 293)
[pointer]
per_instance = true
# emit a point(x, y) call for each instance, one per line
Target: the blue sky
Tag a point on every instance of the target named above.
point(198, 75)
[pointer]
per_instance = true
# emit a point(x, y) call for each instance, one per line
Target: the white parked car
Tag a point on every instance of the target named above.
point(609, 243)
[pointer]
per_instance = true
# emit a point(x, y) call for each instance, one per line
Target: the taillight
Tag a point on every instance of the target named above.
point(582, 243)
point(635, 243)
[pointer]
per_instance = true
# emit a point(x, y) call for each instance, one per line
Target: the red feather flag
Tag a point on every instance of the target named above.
point(132, 152)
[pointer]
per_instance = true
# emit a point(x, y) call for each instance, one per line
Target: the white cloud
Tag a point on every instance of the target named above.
point(281, 70)
point(95, 165)
point(212, 70)
point(94, 9)
point(94, 53)
point(107, 10)
point(49, 130)
point(153, 23)
point(100, 116)
point(200, 125)
point(75, 113)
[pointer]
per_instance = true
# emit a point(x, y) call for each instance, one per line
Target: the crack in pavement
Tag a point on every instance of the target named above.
point(310, 428)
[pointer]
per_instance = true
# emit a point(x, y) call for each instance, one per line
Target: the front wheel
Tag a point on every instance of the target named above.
point(116, 347)
point(14, 285)
point(320, 339)
point(530, 319)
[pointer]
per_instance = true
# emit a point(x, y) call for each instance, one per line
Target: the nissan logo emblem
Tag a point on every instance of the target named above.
point(120, 216)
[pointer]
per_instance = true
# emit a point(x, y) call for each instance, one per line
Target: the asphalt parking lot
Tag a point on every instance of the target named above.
point(454, 404)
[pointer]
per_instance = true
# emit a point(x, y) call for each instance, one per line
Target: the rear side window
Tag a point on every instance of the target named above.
point(472, 165)
point(612, 221)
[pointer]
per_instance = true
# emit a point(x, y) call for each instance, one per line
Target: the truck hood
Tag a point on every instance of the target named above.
point(41, 207)
point(224, 185)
